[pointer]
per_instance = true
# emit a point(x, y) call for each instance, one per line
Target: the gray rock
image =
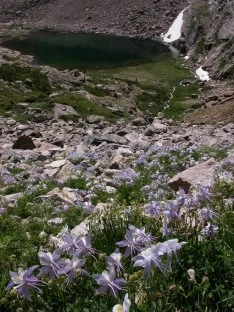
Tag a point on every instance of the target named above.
point(202, 173)
point(10, 200)
point(65, 172)
point(24, 142)
point(61, 110)
point(95, 119)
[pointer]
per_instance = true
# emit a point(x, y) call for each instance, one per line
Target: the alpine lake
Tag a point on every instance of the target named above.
point(144, 61)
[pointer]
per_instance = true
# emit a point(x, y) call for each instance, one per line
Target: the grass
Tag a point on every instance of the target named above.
point(156, 80)
point(20, 90)
point(167, 71)
point(30, 76)
point(97, 91)
point(83, 106)
point(178, 104)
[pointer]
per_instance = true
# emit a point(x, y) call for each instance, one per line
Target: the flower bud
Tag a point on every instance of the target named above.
point(191, 274)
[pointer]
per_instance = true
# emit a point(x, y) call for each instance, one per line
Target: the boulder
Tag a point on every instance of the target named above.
point(11, 199)
point(202, 173)
point(66, 196)
point(61, 110)
point(116, 162)
point(24, 143)
point(65, 172)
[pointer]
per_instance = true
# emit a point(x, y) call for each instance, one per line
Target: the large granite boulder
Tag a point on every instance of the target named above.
point(202, 173)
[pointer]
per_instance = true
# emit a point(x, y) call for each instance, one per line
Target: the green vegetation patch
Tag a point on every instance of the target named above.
point(83, 106)
point(179, 103)
point(156, 80)
point(31, 76)
point(97, 91)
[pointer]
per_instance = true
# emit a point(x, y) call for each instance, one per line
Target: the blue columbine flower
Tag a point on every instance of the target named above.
point(114, 260)
point(73, 268)
point(135, 239)
point(23, 281)
point(150, 258)
point(108, 282)
point(52, 263)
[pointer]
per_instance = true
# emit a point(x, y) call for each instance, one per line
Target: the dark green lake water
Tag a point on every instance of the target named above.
point(88, 51)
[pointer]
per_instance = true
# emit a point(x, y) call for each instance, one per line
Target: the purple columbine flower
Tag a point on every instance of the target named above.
point(114, 260)
point(153, 209)
point(51, 263)
point(171, 246)
point(171, 210)
point(203, 194)
point(125, 307)
point(207, 214)
point(73, 268)
point(181, 196)
point(210, 230)
point(135, 239)
point(70, 243)
point(108, 282)
point(23, 281)
point(2, 211)
point(150, 257)
point(165, 230)
point(84, 246)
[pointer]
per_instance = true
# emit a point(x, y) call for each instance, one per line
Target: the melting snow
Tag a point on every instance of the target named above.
point(174, 31)
point(202, 74)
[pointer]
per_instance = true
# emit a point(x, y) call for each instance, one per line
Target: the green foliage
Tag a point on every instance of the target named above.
point(76, 183)
point(38, 81)
point(15, 188)
point(72, 216)
point(83, 106)
point(178, 104)
point(100, 92)
point(152, 101)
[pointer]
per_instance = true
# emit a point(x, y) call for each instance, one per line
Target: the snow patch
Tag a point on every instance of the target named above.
point(174, 32)
point(202, 74)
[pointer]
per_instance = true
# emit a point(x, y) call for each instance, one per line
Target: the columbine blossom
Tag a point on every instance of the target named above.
point(114, 260)
point(73, 268)
point(171, 210)
point(51, 263)
point(207, 214)
point(172, 245)
point(23, 281)
point(108, 282)
point(135, 239)
point(84, 246)
point(77, 245)
point(153, 209)
point(165, 230)
point(150, 257)
point(210, 230)
point(127, 176)
point(181, 196)
point(70, 243)
point(123, 308)
point(203, 194)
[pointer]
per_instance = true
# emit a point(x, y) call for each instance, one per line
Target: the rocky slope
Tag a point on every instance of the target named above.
point(129, 17)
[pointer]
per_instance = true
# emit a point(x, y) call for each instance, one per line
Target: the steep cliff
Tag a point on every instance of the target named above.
point(209, 33)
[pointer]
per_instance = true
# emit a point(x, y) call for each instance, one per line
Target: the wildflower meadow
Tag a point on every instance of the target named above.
point(148, 248)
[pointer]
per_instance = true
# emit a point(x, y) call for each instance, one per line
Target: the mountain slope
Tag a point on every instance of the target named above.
point(130, 17)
